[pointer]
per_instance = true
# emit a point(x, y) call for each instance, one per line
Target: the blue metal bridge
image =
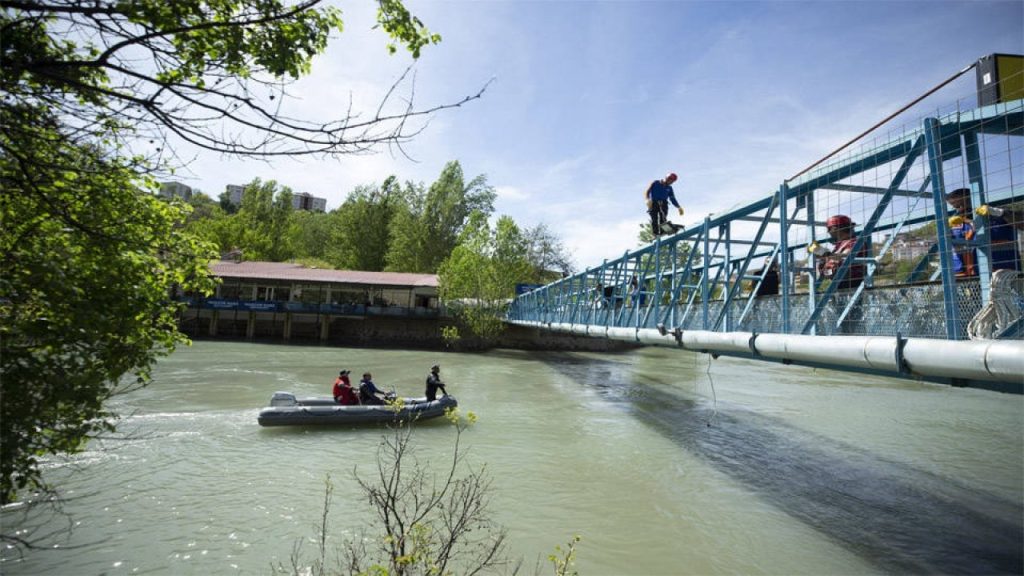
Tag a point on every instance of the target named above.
point(895, 305)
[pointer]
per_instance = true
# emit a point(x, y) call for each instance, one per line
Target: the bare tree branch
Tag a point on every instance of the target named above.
point(138, 73)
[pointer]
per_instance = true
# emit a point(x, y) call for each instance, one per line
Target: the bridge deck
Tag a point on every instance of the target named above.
point(899, 280)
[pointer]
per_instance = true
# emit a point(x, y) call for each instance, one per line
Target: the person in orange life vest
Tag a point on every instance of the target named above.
point(343, 392)
point(841, 228)
point(658, 195)
point(1001, 224)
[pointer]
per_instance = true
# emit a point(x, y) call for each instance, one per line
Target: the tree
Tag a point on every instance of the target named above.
point(448, 206)
point(264, 226)
point(260, 228)
point(226, 204)
point(214, 226)
point(211, 72)
point(89, 256)
point(93, 96)
point(361, 237)
point(203, 207)
point(478, 280)
point(429, 231)
point(307, 232)
point(409, 249)
point(509, 257)
point(547, 254)
point(425, 522)
point(428, 527)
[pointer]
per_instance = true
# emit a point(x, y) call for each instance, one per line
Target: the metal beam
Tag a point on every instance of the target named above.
point(876, 190)
point(863, 238)
point(776, 220)
point(932, 137)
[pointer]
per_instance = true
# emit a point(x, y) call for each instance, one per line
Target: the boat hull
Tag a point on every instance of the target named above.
point(326, 412)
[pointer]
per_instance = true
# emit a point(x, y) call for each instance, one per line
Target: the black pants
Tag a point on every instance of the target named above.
point(432, 392)
point(659, 215)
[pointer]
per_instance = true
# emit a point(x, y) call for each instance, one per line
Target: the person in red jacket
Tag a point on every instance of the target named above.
point(844, 238)
point(343, 392)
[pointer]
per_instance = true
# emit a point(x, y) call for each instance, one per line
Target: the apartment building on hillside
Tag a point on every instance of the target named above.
point(175, 190)
point(300, 200)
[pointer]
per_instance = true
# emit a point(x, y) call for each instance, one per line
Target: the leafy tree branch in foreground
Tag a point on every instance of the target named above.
point(94, 94)
point(88, 256)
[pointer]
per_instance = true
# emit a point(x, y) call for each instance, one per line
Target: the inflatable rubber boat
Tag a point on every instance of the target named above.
point(287, 410)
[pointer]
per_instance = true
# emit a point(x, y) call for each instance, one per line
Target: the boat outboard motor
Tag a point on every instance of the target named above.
point(283, 399)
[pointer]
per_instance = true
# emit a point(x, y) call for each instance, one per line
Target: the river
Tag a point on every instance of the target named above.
point(662, 461)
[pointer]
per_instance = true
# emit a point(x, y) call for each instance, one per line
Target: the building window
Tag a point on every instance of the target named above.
point(309, 294)
point(272, 293)
point(230, 291)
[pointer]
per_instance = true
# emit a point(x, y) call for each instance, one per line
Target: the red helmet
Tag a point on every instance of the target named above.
point(671, 177)
point(839, 221)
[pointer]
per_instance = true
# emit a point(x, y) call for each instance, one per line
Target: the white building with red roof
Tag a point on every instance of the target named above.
point(286, 300)
point(285, 282)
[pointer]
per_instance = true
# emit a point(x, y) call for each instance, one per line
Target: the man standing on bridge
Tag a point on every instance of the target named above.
point(658, 195)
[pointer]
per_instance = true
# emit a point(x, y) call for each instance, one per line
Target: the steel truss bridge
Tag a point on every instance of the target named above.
point(910, 317)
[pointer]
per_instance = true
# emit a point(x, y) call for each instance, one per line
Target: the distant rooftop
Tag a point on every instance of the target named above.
point(291, 271)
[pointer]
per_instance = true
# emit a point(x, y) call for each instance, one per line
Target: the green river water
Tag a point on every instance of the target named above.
point(662, 461)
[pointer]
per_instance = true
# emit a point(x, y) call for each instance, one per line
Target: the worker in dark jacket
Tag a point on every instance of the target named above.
point(770, 282)
point(434, 382)
point(369, 393)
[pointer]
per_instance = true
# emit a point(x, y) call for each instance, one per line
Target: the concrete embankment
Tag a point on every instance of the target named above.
point(383, 332)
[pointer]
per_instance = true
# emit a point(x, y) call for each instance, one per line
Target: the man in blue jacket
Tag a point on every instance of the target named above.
point(369, 393)
point(1002, 225)
point(658, 195)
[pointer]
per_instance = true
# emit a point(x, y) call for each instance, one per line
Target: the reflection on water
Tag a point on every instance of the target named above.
point(772, 470)
point(900, 518)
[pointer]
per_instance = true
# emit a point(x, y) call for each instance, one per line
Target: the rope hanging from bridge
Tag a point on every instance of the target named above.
point(1001, 311)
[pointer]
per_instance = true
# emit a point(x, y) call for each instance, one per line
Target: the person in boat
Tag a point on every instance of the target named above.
point(368, 391)
point(434, 382)
point(343, 392)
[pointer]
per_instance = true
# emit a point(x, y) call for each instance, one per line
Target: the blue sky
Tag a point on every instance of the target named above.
point(591, 100)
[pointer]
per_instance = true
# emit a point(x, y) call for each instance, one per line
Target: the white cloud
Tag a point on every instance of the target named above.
point(735, 100)
point(592, 241)
point(511, 194)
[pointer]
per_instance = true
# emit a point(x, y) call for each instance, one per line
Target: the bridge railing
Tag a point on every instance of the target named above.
point(917, 267)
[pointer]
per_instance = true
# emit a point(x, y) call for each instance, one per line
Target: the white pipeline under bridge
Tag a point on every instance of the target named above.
point(994, 364)
point(914, 297)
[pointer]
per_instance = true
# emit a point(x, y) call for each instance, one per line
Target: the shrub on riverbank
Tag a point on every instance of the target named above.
point(424, 523)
